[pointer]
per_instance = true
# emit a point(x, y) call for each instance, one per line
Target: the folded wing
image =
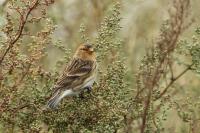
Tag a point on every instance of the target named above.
point(75, 74)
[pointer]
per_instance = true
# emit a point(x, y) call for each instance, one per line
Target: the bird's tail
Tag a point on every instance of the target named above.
point(57, 97)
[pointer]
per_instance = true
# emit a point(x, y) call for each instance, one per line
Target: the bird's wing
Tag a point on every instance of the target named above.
point(75, 74)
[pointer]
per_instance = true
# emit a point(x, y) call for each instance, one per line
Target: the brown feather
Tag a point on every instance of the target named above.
point(75, 74)
point(79, 72)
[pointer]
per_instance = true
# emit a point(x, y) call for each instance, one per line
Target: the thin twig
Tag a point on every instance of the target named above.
point(146, 108)
point(17, 84)
point(166, 46)
point(23, 21)
point(173, 80)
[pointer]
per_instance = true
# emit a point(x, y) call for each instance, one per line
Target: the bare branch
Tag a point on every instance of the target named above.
point(23, 20)
point(174, 80)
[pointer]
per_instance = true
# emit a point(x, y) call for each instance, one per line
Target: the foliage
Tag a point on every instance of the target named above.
point(23, 103)
point(156, 77)
point(114, 105)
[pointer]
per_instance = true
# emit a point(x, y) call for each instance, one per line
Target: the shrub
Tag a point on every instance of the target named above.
point(25, 86)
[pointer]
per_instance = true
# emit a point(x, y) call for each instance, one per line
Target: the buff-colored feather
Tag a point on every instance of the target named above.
point(79, 74)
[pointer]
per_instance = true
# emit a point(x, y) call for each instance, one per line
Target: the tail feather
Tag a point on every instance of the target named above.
point(54, 100)
point(57, 97)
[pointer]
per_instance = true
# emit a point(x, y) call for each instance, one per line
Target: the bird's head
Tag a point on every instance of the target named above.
point(85, 51)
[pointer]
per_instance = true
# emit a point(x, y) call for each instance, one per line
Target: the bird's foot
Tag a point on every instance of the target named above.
point(89, 89)
point(81, 95)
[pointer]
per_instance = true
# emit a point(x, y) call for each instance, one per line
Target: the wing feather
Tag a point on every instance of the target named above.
point(75, 73)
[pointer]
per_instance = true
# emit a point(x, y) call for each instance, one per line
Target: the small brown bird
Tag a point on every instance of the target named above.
point(79, 75)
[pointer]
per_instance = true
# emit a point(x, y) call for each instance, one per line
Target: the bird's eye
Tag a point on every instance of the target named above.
point(83, 49)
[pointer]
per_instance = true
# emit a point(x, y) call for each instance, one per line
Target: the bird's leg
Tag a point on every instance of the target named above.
point(89, 88)
point(81, 94)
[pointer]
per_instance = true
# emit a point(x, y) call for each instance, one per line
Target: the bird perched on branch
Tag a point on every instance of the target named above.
point(78, 75)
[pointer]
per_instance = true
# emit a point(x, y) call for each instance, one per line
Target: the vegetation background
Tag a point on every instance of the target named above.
point(149, 65)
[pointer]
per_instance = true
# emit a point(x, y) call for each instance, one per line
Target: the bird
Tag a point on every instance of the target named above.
point(78, 75)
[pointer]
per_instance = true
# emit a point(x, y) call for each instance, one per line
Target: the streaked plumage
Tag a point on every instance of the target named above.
point(79, 74)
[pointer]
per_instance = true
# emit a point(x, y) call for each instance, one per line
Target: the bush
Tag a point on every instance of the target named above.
point(115, 104)
point(25, 86)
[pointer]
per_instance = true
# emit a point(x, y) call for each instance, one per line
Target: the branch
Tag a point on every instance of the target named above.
point(146, 108)
point(173, 80)
point(23, 21)
point(154, 69)
point(17, 84)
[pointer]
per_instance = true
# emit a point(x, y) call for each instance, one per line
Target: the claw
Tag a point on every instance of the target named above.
point(81, 95)
point(89, 89)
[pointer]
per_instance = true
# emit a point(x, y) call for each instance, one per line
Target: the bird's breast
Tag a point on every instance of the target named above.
point(89, 82)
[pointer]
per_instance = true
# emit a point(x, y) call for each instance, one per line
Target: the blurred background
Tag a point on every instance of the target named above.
point(140, 25)
point(141, 21)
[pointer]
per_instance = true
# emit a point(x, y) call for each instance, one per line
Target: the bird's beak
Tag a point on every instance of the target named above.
point(91, 50)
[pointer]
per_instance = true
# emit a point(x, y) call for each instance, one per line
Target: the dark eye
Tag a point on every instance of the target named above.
point(83, 49)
